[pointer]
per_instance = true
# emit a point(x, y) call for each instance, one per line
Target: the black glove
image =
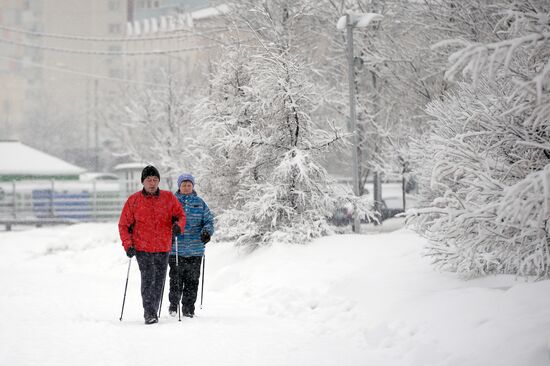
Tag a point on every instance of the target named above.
point(176, 229)
point(131, 252)
point(205, 237)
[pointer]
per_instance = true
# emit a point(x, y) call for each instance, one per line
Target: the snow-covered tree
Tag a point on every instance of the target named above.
point(291, 194)
point(264, 139)
point(46, 119)
point(486, 164)
point(396, 74)
point(223, 120)
point(153, 123)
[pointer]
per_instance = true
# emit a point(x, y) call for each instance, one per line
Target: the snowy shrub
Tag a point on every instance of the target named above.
point(485, 167)
point(289, 205)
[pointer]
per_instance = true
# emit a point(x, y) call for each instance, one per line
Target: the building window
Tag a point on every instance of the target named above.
point(115, 73)
point(3, 66)
point(112, 58)
point(115, 48)
point(115, 28)
point(113, 5)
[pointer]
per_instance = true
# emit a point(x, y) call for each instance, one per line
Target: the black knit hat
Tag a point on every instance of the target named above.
point(149, 171)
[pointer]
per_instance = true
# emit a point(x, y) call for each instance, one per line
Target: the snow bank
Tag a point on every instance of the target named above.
point(343, 300)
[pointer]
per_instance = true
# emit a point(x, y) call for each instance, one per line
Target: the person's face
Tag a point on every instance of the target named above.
point(186, 187)
point(151, 184)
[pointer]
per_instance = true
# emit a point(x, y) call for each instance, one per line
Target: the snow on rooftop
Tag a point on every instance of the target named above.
point(20, 159)
point(129, 166)
point(359, 20)
point(210, 12)
point(167, 23)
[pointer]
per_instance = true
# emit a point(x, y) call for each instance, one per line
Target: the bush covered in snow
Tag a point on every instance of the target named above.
point(485, 166)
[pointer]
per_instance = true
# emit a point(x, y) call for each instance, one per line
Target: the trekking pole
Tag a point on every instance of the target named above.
point(178, 279)
point(162, 292)
point(125, 288)
point(203, 268)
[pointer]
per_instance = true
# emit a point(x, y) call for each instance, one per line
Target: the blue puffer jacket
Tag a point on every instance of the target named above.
point(199, 218)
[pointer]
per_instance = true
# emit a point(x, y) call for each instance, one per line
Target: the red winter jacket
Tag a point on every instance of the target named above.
point(146, 221)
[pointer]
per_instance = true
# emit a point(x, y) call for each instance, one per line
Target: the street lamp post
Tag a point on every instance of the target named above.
point(353, 120)
point(350, 21)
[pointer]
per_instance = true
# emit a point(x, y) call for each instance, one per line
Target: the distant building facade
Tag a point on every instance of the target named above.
point(48, 61)
point(182, 42)
point(147, 9)
point(62, 62)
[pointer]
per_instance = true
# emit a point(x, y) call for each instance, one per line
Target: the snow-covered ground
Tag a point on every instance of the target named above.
point(343, 300)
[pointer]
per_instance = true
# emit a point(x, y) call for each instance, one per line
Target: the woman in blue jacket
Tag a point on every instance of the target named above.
point(199, 227)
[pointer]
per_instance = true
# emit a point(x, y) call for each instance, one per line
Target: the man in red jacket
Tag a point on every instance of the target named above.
point(147, 222)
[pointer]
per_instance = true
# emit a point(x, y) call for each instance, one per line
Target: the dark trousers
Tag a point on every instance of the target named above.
point(153, 273)
point(184, 281)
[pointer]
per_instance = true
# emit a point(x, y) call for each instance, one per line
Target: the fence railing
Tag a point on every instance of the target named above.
point(71, 201)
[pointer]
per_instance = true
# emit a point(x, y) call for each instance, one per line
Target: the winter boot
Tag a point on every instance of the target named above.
point(173, 310)
point(151, 319)
point(186, 312)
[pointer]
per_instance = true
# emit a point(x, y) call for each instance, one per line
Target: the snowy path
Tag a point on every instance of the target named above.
point(348, 300)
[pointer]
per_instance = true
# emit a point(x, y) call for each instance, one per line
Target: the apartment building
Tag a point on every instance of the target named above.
point(18, 80)
point(63, 61)
point(50, 54)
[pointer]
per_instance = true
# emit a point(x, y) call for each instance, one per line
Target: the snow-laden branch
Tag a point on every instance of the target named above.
point(487, 209)
point(474, 57)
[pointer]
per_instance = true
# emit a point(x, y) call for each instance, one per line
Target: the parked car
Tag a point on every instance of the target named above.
point(343, 216)
point(388, 212)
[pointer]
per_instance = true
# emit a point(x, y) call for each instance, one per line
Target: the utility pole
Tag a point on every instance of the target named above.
point(88, 157)
point(96, 132)
point(351, 21)
point(353, 121)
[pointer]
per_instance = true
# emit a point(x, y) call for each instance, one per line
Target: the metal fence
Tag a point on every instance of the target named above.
point(58, 201)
